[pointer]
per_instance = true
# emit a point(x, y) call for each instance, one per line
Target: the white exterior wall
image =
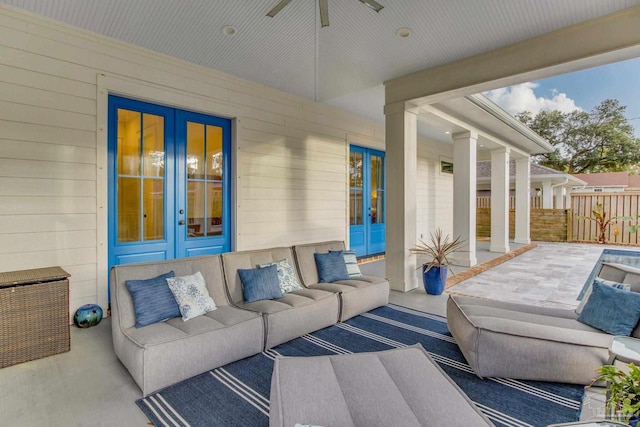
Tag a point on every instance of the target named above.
point(290, 154)
point(434, 189)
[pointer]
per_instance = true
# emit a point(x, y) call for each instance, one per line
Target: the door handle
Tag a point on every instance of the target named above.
point(181, 222)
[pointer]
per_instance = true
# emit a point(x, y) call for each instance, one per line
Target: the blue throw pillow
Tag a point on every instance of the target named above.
point(351, 261)
point(153, 301)
point(260, 283)
point(331, 267)
point(612, 310)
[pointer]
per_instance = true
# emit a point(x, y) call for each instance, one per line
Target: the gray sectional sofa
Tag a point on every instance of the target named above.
point(508, 340)
point(163, 353)
point(296, 313)
point(357, 295)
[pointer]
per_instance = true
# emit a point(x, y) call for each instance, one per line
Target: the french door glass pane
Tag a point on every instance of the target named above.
point(204, 180)
point(195, 209)
point(214, 214)
point(153, 209)
point(377, 190)
point(140, 195)
point(356, 188)
point(214, 153)
point(153, 145)
point(128, 142)
point(128, 209)
point(195, 150)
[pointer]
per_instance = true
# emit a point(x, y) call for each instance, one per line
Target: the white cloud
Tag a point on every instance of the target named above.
point(518, 98)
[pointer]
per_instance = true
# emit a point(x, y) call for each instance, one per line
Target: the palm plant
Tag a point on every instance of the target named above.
point(599, 216)
point(437, 250)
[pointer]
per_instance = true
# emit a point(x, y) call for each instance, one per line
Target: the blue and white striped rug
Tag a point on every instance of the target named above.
point(238, 394)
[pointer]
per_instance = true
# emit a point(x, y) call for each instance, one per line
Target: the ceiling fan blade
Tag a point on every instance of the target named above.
point(373, 5)
point(324, 13)
point(273, 12)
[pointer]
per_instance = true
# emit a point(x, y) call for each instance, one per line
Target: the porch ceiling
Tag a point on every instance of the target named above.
point(356, 53)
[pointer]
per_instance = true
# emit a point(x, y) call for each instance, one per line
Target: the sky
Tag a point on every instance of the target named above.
point(580, 90)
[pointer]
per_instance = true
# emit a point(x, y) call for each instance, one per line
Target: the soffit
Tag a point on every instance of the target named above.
point(358, 51)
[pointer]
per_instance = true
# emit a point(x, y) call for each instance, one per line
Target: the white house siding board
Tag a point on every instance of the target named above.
point(23, 168)
point(292, 179)
point(37, 80)
point(19, 94)
point(12, 224)
point(434, 190)
point(31, 132)
point(27, 150)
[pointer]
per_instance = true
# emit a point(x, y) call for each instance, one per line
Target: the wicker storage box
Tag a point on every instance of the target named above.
point(34, 314)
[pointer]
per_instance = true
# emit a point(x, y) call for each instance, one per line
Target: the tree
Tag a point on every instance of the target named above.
point(598, 141)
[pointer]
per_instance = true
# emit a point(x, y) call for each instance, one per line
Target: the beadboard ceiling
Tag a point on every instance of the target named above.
point(343, 64)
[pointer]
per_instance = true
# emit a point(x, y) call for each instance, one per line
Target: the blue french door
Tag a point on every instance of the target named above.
point(367, 213)
point(169, 186)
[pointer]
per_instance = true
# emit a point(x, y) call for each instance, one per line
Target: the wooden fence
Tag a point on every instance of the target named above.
point(614, 205)
point(484, 202)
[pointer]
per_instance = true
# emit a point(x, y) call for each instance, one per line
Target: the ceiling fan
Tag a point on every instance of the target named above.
point(324, 9)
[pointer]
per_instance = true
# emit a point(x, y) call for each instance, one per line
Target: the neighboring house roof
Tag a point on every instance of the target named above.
point(604, 179)
point(538, 173)
point(634, 180)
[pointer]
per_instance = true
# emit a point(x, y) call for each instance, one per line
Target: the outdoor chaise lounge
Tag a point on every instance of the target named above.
point(400, 387)
point(508, 340)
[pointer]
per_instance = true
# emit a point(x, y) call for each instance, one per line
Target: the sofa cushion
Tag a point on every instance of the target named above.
point(260, 283)
point(585, 298)
point(295, 299)
point(286, 276)
point(153, 301)
point(192, 295)
point(331, 267)
point(612, 310)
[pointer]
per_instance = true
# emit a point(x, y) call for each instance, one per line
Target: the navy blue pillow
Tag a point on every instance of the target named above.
point(260, 283)
point(153, 301)
point(612, 310)
point(331, 267)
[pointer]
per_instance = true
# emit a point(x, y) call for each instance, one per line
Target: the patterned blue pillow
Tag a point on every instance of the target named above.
point(331, 267)
point(612, 310)
point(260, 283)
point(192, 295)
point(286, 276)
point(352, 263)
point(153, 301)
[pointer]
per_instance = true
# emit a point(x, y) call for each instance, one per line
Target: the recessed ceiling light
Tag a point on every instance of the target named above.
point(447, 132)
point(229, 30)
point(403, 32)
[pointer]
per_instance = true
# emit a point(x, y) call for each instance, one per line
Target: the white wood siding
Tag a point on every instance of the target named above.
point(291, 154)
point(434, 190)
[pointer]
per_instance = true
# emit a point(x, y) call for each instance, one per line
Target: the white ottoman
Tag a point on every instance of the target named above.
point(402, 387)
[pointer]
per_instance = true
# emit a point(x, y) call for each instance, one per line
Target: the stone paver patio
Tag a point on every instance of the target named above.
point(552, 275)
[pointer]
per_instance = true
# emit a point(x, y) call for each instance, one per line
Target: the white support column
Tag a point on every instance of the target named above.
point(500, 200)
point(464, 195)
point(523, 201)
point(401, 156)
point(547, 196)
point(558, 197)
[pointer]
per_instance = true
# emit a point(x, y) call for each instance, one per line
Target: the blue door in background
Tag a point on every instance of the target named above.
point(367, 213)
point(169, 183)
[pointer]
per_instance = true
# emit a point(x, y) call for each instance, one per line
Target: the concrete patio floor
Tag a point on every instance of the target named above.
point(89, 386)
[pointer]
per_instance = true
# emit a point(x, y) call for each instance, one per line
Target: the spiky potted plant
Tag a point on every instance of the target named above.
point(434, 270)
